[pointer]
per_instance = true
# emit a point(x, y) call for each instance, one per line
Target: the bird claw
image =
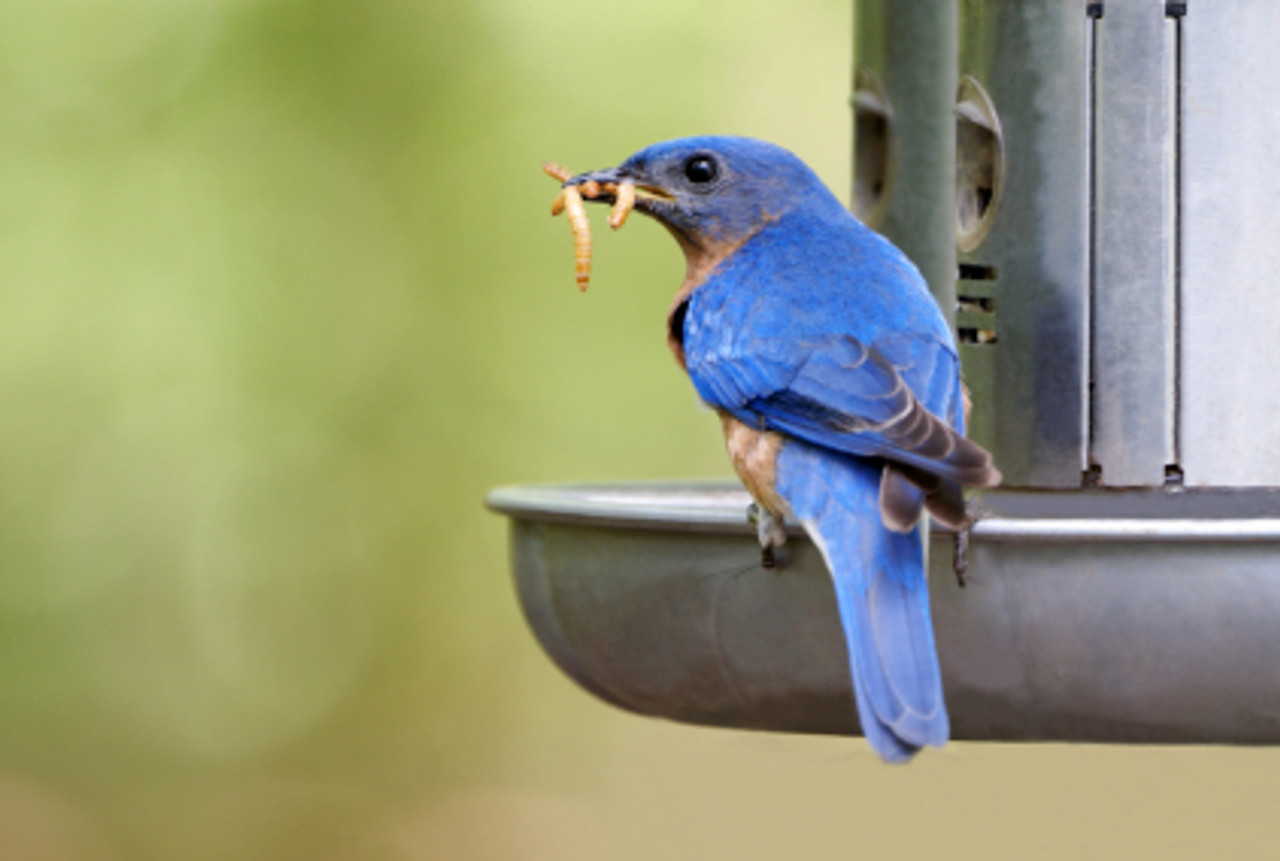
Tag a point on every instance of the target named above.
point(570, 201)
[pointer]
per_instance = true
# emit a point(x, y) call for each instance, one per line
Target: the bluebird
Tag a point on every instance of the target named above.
point(836, 380)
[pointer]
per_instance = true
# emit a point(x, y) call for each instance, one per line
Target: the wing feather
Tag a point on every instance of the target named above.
point(846, 396)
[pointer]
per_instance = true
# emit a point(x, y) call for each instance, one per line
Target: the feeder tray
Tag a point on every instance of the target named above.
point(1105, 616)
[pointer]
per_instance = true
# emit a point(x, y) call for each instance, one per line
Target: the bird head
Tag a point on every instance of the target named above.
point(713, 191)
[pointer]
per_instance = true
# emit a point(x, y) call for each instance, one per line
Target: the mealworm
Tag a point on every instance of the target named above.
point(626, 201)
point(555, 171)
point(569, 201)
point(577, 214)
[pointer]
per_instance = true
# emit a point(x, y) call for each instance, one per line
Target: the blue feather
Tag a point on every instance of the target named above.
point(882, 594)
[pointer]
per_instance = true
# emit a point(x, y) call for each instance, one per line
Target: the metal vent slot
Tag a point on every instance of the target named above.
point(977, 272)
point(976, 304)
point(1133, 295)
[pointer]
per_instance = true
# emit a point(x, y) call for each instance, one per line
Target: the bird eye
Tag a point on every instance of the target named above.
point(700, 169)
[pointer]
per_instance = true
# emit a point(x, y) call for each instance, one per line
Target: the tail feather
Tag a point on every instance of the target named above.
point(882, 594)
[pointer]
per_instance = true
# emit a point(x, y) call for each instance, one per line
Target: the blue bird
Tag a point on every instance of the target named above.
point(837, 382)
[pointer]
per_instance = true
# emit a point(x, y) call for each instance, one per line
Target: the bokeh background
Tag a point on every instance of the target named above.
point(279, 301)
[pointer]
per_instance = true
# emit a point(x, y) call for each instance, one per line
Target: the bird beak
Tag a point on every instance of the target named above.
point(649, 198)
point(609, 175)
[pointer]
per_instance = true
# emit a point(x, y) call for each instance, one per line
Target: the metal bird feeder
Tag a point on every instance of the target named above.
point(1092, 187)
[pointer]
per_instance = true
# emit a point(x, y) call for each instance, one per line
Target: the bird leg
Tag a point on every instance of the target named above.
point(569, 201)
point(770, 530)
point(960, 555)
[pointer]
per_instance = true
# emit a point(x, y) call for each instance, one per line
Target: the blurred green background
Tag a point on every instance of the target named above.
point(281, 300)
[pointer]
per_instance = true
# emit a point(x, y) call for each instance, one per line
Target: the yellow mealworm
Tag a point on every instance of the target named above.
point(555, 171)
point(569, 201)
point(626, 201)
point(577, 214)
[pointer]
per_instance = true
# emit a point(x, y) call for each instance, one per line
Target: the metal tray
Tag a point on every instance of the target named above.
point(1109, 616)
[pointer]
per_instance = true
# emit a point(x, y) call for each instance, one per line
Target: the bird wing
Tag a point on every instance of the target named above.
point(842, 394)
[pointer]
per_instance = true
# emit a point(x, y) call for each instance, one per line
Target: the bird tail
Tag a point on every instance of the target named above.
point(882, 594)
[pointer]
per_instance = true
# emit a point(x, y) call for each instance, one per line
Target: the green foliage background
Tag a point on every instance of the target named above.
point(281, 300)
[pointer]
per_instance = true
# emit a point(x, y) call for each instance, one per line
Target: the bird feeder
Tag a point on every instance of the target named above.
point(1091, 188)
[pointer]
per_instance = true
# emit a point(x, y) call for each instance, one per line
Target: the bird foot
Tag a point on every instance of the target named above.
point(771, 531)
point(960, 554)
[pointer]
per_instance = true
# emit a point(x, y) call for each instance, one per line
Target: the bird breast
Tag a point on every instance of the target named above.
point(754, 454)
